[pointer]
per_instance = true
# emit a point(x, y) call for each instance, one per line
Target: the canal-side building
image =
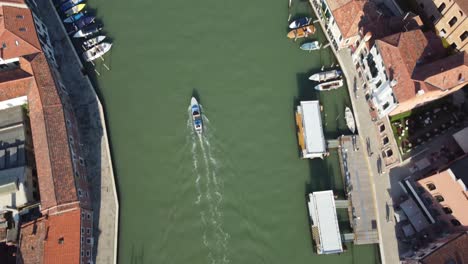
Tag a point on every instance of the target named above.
point(409, 69)
point(449, 18)
point(449, 249)
point(324, 222)
point(310, 131)
point(29, 79)
point(342, 19)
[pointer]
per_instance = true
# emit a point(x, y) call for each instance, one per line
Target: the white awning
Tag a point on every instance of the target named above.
point(323, 215)
point(313, 131)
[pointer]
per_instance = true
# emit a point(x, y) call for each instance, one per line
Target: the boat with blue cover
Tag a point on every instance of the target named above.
point(84, 21)
point(74, 17)
point(300, 22)
point(309, 46)
point(196, 115)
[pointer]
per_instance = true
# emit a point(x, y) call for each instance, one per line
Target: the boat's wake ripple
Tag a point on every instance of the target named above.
point(209, 192)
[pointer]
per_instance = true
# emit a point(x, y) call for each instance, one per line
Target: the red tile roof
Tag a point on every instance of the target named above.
point(18, 35)
point(50, 139)
point(353, 15)
point(31, 242)
point(445, 73)
point(12, 2)
point(454, 251)
point(463, 4)
point(401, 53)
point(52, 239)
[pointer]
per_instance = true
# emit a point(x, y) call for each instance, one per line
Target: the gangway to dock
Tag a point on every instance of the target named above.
point(348, 237)
point(333, 143)
point(342, 204)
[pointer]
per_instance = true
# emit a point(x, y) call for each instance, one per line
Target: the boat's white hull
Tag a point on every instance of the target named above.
point(97, 51)
point(350, 120)
point(93, 42)
point(195, 112)
point(325, 76)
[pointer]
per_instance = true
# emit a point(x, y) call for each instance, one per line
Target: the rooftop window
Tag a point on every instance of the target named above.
point(22, 29)
point(455, 222)
point(441, 7)
point(431, 186)
point(447, 210)
point(464, 35)
point(19, 16)
point(61, 240)
point(439, 198)
point(453, 21)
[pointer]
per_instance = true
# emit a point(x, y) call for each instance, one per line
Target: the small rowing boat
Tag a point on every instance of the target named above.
point(350, 120)
point(96, 51)
point(300, 22)
point(74, 9)
point(301, 32)
point(196, 116)
point(325, 76)
point(87, 31)
point(331, 85)
point(310, 46)
point(74, 17)
point(69, 4)
point(93, 42)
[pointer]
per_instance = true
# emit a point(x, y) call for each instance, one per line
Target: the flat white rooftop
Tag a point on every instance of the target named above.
point(315, 145)
point(322, 212)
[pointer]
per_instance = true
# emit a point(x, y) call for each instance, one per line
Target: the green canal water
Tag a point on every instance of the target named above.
point(236, 195)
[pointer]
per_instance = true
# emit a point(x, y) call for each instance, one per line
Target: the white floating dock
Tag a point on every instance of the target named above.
point(310, 130)
point(325, 228)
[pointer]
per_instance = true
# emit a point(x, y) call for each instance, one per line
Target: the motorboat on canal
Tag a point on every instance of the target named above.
point(350, 120)
point(301, 32)
point(300, 22)
point(325, 76)
point(74, 17)
point(331, 85)
point(74, 9)
point(195, 111)
point(310, 46)
point(93, 42)
point(96, 51)
point(87, 31)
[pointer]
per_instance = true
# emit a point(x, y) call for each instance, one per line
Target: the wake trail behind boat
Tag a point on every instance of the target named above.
point(210, 193)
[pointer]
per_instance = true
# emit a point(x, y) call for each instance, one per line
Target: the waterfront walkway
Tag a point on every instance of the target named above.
point(93, 134)
point(356, 176)
point(379, 181)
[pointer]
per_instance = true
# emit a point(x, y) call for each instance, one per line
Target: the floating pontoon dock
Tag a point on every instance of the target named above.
point(310, 130)
point(325, 228)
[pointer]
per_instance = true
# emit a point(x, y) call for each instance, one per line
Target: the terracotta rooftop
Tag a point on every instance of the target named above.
point(355, 13)
point(51, 240)
point(6, 2)
point(463, 4)
point(401, 52)
point(445, 73)
point(18, 35)
point(50, 139)
point(454, 251)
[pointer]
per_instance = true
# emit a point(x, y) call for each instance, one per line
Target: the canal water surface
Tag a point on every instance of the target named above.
point(237, 194)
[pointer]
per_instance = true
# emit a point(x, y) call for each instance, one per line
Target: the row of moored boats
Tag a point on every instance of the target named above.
point(303, 28)
point(83, 25)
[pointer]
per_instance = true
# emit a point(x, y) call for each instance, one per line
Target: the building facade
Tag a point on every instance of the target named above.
point(449, 18)
point(29, 78)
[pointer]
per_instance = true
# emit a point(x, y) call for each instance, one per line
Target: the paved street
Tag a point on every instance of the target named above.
point(91, 123)
point(380, 182)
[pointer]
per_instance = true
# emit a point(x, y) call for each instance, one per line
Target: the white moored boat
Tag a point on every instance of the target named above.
point(331, 85)
point(93, 42)
point(350, 120)
point(96, 51)
point(195, 112)
point(325, 76)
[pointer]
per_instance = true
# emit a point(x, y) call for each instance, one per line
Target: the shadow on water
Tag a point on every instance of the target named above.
point(196, 94)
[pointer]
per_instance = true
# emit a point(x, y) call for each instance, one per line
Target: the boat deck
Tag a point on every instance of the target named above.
point(359, 190)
